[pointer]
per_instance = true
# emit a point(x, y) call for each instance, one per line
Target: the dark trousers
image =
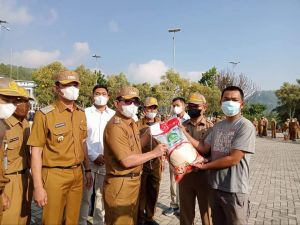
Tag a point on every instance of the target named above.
point(150, 183)
point(194, 186)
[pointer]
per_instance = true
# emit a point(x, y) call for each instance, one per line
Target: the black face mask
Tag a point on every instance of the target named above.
point(194, 113)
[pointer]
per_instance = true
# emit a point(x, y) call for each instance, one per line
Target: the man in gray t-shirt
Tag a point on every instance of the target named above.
point(231, 143)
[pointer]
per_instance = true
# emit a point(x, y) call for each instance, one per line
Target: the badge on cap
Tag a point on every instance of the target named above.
point(60, 138)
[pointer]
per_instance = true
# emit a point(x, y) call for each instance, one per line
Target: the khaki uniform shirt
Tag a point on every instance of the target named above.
point(60, 133)
point(121, 139)
point(18, 153)
point(143, 124)
point(199, 130)
point(3, 179)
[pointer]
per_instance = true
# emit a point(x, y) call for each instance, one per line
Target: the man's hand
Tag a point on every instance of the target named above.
point(99, 160)
point(160, 150)
point(88, 180)
point(40, 196)
point(5, 202)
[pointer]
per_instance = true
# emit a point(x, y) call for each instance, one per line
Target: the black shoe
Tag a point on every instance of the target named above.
point(151, 222)
point(170, 211)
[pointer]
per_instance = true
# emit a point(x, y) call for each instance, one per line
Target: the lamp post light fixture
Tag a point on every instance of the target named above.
point(3, 26)
point(174, 30)
point(234, 65)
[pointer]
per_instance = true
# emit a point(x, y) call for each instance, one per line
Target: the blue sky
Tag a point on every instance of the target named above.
point(132, 37)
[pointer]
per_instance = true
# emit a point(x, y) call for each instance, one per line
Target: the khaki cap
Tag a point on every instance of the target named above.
point(128, 92)
point(24, 93)
point(67, 76)
point(149, 101)
point(9, 87)
point(196, 98)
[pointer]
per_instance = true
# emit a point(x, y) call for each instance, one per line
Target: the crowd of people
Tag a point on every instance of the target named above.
point(290, 128)
point(70, 153)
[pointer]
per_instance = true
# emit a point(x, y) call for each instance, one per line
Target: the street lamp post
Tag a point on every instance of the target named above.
point(96, 58)
point(174, 31)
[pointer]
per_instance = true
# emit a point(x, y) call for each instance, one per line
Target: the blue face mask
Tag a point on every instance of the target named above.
point(231, 108)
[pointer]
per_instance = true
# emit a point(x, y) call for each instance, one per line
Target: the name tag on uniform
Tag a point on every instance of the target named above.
point(60, 125)
point(13, 139)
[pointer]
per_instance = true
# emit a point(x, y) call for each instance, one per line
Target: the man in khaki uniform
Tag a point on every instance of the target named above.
point(151, 170)
point(293, 129)
point(19, 189)
point(195, 184)
point(8, 94)
point(273, 128)
point(123, 160)
point(58, 150)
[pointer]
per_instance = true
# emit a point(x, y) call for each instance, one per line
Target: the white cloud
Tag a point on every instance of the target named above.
point(81, 52)
point(113, 26)
point(193, 75)
point(13, 13)
point(34, 58)
point(149, 72)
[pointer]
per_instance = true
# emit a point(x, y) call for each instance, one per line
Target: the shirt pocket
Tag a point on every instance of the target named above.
point(13, 150)
point(60, 135)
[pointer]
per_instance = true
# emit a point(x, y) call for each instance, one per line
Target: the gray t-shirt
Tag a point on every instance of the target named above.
point(225, 137)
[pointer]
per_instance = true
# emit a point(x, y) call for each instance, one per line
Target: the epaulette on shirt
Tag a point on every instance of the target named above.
point(47, 109)
point(117, 120)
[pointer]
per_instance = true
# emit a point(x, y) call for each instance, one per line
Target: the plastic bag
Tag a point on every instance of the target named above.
point(181, 154)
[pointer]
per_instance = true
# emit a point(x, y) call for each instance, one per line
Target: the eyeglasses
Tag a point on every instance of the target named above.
point(136, 102)
point(153, 107)
point(193, 106)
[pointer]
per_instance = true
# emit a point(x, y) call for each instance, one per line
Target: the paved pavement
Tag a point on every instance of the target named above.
point(274, 186)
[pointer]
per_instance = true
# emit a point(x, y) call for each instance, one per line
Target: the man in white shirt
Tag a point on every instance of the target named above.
point(178, 105)
point(97, 117)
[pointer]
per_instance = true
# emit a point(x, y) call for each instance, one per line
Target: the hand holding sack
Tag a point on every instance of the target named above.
point(181, 154)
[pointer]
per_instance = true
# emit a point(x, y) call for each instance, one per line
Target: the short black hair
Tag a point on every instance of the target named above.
point(100, 86)
point(233, 88)
point(180, 99)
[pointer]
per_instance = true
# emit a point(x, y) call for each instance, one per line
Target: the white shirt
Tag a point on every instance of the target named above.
point(184, 118)
point(96, 122)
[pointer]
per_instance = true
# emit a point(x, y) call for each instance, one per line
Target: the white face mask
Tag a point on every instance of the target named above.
point(129, 110)
point(6, 110)
point(71, 93)
point(151, 115)
point(177, 109)
point(100, 100)
point(231, 108)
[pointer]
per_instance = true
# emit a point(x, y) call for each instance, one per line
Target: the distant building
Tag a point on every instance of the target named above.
point(28, 85)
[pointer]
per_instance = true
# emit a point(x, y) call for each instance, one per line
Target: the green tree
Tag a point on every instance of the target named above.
point(43, 77)
point(209, 77)
point(171, 86)
point(88, 81)
point(114, 83)
point(145, 90)
point(16, 72)
point(101, 78)
point(289, 99)
point(254, 110)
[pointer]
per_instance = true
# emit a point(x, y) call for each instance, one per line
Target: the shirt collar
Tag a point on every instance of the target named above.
point(203, 122)
point(62, 107)
point(12, 121)
point(95, 109)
